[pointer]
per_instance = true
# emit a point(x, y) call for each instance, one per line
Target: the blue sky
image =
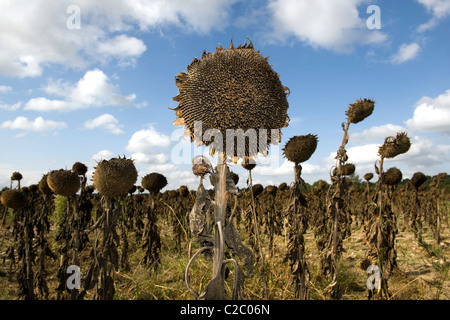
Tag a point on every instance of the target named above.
point(90, 80)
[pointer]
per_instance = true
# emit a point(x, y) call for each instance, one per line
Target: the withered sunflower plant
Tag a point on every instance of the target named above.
point(380, 235)
point(232, 101)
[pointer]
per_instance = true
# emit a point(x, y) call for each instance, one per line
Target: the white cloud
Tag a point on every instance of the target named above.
point(37, 125)
point(125, 49)
point(44, 104)
point(333, 25)
point(376, 133)
point(102, 155)
point(94, 89)
point(145, 140)
point(158, 158)
point(405, 53)
point(105, 121)
point(36, 35)
point(440, 9)
point(432, 114)
point(5, 89)
point(363, 154)
point(11, 107)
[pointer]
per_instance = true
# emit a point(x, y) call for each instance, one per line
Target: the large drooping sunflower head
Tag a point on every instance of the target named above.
point(360, 110)
point(232, 91)
point(392, 147)
point(300, 148)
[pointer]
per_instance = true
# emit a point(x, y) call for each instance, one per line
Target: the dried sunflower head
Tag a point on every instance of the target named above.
point(368, 176)
point(115, 177)
point(43, 186)
point(300, 148)
point(392, 147)
point(79, 168)
point(348, 169)
point(283, 186)
point(360, 110)
point(248, 166)
point(272, 190)
point(16, 176)
point(183, 191)
point(418, 179)
point(63, 182)
point(132, 190)
point(201, 166)
point(13, 199)
point(228, 96)
point(392, 176)
point(154, 182)
point(257, 189)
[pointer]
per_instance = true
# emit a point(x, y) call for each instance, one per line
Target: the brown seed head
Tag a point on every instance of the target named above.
point(392, 147)
point(300, 148)
point(13, 199)
point(183, 191)
point(272, 190)
point(348, 169)
point(16, 176)
point(154, 182)
point(392, 176)
point(43, 186)
point(63, 182)
point(283, 186)
point(114, 177)
point(257, 189)
point(418, 179)
point(232, 88)
point(360, 110)
point(79, 168)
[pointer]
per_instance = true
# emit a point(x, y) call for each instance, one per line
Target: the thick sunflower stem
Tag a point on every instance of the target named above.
point(219, 243)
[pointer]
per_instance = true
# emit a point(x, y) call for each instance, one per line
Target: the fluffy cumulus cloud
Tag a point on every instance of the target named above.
point(94, 89)
point(432, 114)
point(39, 33)
point(39, 124)
point(10, 107)
point(105, 121)
point(333, 25)
point(158, 158)
point(406, 52)
point(5, 89)
point(440, 9)
point(145, 140)
point(375, 133)
point(102, 155)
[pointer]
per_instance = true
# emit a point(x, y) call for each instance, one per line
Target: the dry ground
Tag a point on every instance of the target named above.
point(421, 274)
